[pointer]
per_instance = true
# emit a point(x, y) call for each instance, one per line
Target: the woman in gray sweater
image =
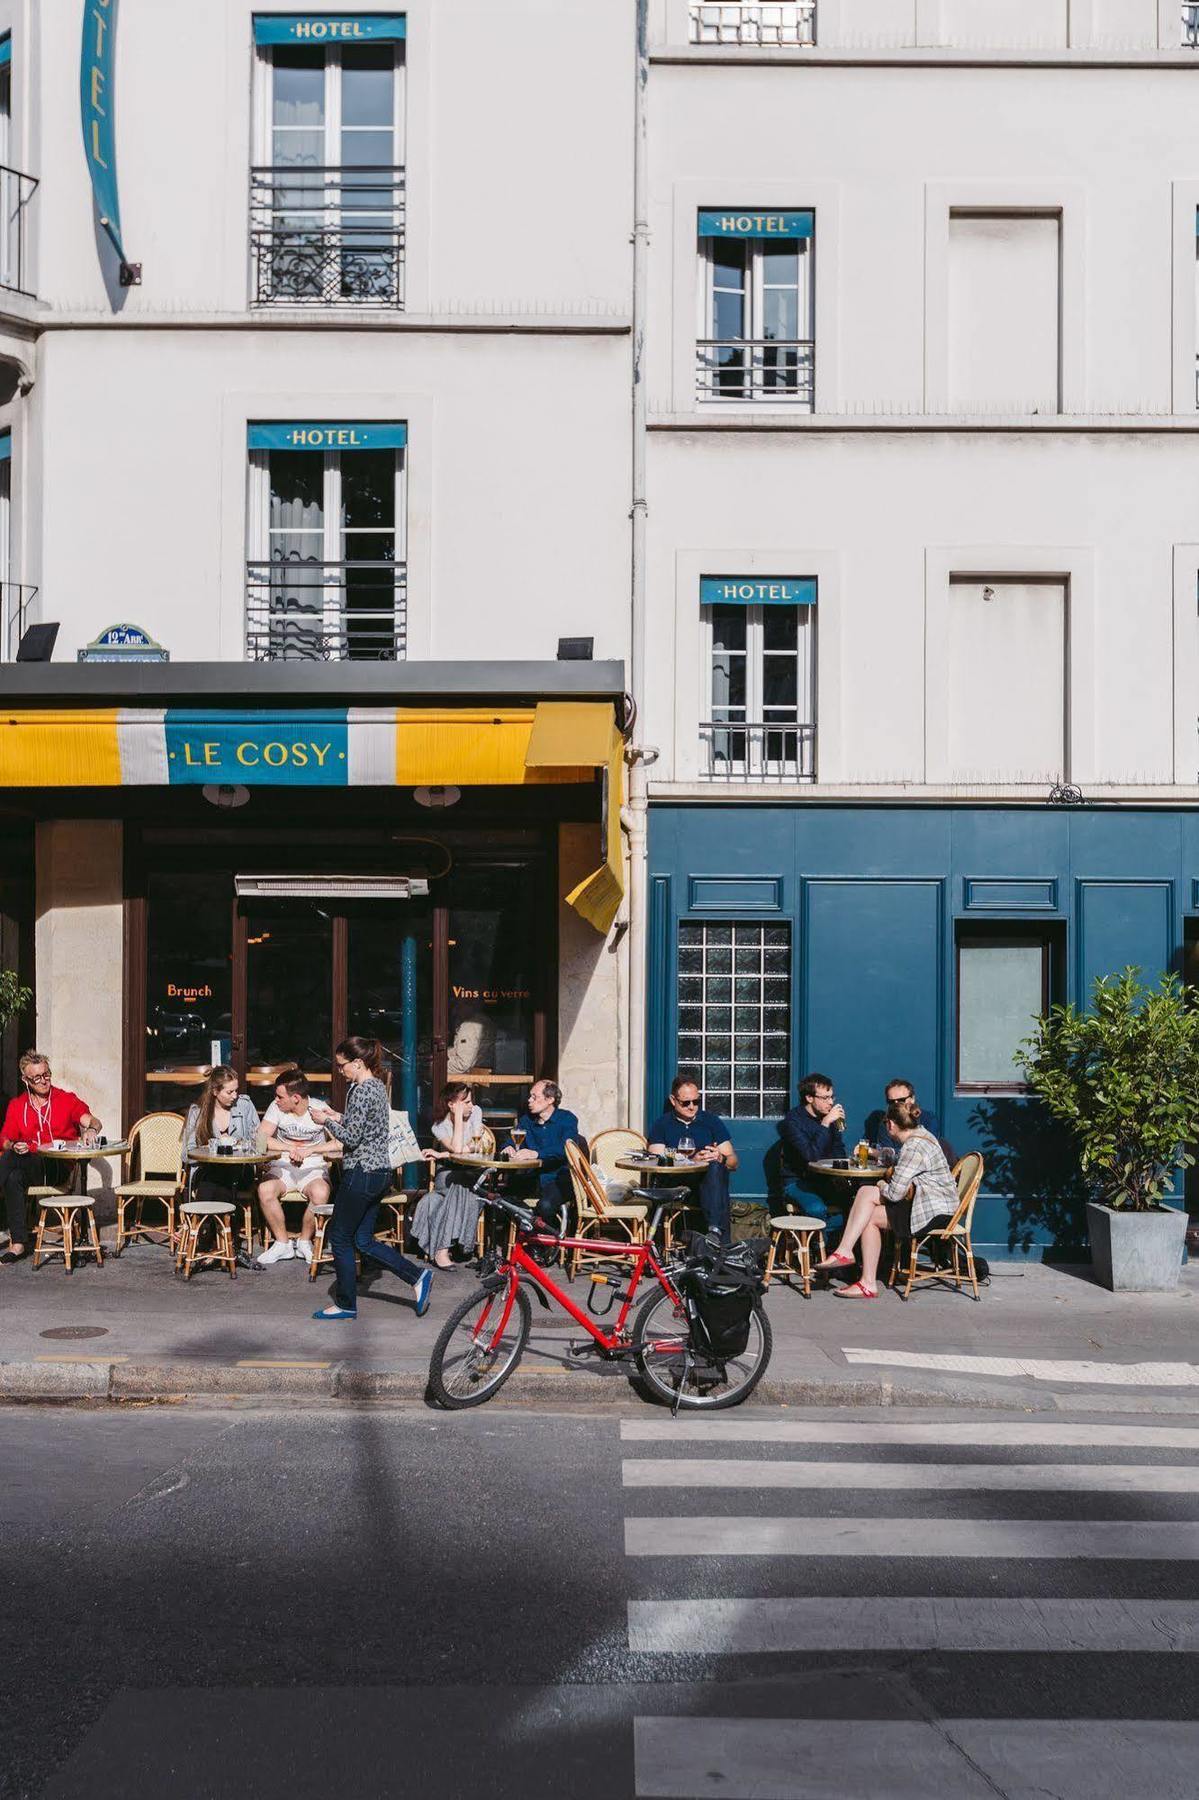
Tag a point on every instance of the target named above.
point(364, 1129)
point(220, 1116)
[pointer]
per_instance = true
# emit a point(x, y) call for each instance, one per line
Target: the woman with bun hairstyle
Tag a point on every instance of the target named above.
point(364, 1130)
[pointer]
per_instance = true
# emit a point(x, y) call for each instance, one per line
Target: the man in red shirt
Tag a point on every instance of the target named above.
point(43, 1115)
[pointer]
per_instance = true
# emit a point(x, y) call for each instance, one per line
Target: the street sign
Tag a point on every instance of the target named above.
point(124, 643)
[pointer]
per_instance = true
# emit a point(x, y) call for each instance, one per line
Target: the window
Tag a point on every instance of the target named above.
point(1190, 25)
point(756, 334)
point(760, 702)
point(1003, 986)
point(1007, 689)
point(1004, 312)
point(734, 1016)
point(16, 190)
point(327, 199)
point(326, 576)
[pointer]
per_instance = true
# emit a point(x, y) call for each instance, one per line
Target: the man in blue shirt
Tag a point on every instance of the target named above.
point(812, 1132)
point(684, 1117)
point(900, 1089)
point(548, 1128)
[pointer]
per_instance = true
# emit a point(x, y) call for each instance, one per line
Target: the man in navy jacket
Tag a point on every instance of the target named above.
point(813, 1132)
point(548, 1128)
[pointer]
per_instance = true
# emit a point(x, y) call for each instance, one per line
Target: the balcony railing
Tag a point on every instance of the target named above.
point(1190, 26)
point(734, 752)
point(327, 237)
point(770, 24)
point(16, 602)
point(16, 197)
point(326, 611)
point(761, 369)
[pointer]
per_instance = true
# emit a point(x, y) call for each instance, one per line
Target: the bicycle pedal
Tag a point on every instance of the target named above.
point(585, 1348)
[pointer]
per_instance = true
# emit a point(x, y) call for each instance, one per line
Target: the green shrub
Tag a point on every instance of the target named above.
point(1124, 1078)
point(13, 997)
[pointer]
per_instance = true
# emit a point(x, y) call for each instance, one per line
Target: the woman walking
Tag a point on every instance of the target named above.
point(365, 1176)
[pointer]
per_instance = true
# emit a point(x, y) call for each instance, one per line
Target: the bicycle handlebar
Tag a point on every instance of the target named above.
point(523, 1215)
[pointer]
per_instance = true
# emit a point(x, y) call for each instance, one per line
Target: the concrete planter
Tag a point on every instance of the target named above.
point(1136, 1252)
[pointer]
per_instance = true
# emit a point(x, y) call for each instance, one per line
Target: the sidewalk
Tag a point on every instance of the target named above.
point(1039, 1337)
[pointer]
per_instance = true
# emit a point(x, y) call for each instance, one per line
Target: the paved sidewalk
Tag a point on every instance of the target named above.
point(1039, 1337)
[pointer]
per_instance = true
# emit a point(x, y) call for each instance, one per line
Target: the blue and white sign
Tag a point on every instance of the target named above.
point(124, 644)
point(96, 104)
point(276, 748)
point(739, 223)
point(757, 590)
point(5, 50)
point(329, 28)
point(320, 435)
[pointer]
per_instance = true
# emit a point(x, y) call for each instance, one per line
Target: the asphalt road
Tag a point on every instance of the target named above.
point(304, 1603)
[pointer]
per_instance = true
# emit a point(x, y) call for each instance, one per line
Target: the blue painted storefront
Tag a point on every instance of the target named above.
point(874, 897)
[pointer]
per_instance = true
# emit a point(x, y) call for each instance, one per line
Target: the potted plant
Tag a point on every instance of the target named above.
point(1124, 1078)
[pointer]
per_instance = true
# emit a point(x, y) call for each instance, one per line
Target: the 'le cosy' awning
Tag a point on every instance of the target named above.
point(357, 746)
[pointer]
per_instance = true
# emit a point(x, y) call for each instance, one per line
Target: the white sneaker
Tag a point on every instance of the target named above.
point(303, 1249)
point(276, 1252)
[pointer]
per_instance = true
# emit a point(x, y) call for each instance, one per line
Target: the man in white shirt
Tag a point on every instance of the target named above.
point(296, 1141)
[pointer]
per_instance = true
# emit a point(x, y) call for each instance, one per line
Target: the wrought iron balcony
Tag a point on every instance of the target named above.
point(16, 601)
point(1190, 25)
point(769, 24)
point(759, 369)
point(326, 611)
point(16, 197)
point(743, 752)
point(327, 237)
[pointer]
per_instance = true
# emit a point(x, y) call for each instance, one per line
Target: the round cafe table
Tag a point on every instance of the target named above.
point(655, 1174)
point(79, 1155)
point(871, 1171)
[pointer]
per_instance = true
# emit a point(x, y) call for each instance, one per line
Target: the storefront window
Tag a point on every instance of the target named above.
point(493, 925)
point(289, 1021)
point(188, 983)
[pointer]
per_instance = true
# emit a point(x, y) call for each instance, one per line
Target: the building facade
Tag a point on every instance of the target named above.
point(922, 549)
point(317, 376)
point(830, 365)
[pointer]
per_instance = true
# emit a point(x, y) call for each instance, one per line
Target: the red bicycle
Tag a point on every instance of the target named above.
point(483, 1340)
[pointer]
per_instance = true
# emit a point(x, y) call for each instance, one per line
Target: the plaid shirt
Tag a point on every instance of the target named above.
point(922, 1163)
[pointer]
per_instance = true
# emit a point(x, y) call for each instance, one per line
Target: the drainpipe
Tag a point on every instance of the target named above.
point(633, 814)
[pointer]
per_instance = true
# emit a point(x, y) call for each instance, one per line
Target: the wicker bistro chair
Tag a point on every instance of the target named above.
point(608, 1146)
point(320, 1250)
point(154, 1171)
point(599, 1216)
point(913, 1258)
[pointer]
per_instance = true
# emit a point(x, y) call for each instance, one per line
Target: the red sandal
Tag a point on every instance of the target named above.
point(838, 1260)
point(856, 1292)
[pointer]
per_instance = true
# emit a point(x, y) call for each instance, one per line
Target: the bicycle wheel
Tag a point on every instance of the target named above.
point(684, 1377)
point(472, 1358)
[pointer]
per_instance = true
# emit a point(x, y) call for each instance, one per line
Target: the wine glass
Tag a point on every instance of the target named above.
point(686, 1145)
point(517, 1136)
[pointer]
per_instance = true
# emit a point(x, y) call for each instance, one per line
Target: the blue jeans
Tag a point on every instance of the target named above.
point(355, 1215)
point(816, 1200)
point(712, 1192)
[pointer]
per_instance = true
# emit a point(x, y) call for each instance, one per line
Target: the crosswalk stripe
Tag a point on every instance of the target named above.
point(908, 1759)
point(1123, 1539)
point(1105, 1374)
point(1077, 1478)
point(944, 1434)
point(876, 1622)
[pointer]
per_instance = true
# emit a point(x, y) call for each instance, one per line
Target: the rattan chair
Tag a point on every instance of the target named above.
point(320, 1250)
point(913, 1256)
point(607, 1147)
point(599, 1216)
point(154, 1171)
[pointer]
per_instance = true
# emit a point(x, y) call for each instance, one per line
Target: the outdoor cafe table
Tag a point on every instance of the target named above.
point(657, 1174)
point(490, 1167)
point(869, 1171)
point(78, 1155)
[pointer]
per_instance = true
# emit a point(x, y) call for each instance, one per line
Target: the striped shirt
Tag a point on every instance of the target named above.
point(921, 1163)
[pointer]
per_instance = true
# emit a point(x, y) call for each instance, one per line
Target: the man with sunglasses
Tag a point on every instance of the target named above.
point(685, 1118)
point(43, 1115)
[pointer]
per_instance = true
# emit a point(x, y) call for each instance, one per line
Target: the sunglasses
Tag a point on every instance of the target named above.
point(687, 1105)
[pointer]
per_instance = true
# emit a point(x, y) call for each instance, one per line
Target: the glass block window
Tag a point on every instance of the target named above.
point(734, 1010)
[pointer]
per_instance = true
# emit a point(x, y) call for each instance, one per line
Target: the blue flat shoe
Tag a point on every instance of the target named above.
point(422, 1291)
point(331, 1317)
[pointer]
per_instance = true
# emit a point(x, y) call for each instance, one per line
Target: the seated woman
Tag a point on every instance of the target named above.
point(920, 1166)
point(220, 1116)
point(449, 1213)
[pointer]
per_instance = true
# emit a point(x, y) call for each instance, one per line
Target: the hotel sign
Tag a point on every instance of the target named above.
point(323, 435)
point(743, 224)
point(329, 28)
point(757, 590)
point(96, 102)
point(265, 748)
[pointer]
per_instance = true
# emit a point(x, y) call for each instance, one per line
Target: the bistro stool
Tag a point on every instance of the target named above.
point(795, 1233)
point(193, 1214)
point(71, 1236)
point(320, 1252)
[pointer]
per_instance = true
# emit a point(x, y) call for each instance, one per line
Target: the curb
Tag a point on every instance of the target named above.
point(136, 1383)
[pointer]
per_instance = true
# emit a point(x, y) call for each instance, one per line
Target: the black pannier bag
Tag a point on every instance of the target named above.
point(719, 1285)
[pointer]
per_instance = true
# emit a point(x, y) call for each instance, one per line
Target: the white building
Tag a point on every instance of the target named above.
point(894, 529)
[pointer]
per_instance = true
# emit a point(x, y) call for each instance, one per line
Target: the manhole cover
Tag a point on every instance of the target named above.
point(75, 1331)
